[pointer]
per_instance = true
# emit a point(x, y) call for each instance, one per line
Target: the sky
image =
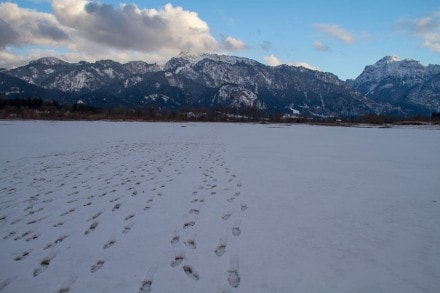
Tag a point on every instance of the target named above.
point(339, 36)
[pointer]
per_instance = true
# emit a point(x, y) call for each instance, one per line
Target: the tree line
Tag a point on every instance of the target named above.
point(39, 109)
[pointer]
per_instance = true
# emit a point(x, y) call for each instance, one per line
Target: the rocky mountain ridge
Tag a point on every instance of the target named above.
point(406, 84)
point(211, 80)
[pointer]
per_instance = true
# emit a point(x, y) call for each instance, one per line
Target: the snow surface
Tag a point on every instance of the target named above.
point(172, 207)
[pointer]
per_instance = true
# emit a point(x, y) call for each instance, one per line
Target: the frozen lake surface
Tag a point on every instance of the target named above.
point(202, 207)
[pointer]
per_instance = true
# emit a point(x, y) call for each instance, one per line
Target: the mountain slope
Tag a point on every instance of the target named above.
point(206, 80)
point(406, 84)
point(13, 87)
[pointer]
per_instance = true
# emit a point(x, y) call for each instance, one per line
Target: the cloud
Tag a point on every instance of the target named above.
point(26, 27)
point(426, 28)
point(272, 60)
point(336, 32)
point(303, 64)
point(128, 27)
point(7, 34)
point(320, 46)
point(232, 44)
point(92, 30)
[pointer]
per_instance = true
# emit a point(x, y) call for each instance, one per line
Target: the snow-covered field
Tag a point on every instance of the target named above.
point(172, 207)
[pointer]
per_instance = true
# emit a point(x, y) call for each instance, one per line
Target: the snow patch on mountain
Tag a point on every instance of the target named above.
point(140, 67)
point(132, 81)
point(47, 61)
point(294, 111)
point(74, 81)
point(238, 96)
point(109, 72)
point(172, 81)
point(156, 97)
point(232, 60)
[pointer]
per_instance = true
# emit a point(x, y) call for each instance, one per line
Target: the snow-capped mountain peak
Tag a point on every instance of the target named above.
point(388, 59)
point(186, 59)
point(400, 81)
point(392, 66)
point(50, 61)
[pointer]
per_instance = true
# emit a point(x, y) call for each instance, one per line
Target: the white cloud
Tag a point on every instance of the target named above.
point(130, 28)
point(91, 30)
point(302, 64)
point(232, 44)
point(427, 28)
point(320, 46)
point(336, 32)
point(272, 60)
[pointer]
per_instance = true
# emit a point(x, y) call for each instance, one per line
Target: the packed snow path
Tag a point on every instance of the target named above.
point(157, 207)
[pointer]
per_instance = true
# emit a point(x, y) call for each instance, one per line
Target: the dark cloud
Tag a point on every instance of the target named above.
point(7, 34)
point(48, 30)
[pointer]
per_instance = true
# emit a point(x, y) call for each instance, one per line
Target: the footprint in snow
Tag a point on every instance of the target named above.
point(221, 248)
point(128, 217)
point(91, 228)
point(233, 272)
point(97, 266)
point(127, 228)
point(23, 255)
point(65, 286)
point(236, 231)
point(178, 259)
point(12, 233)
point(33, 237)
point(191, 243)
point(146, 286)
point(191, 272)
point(109, 243)
point(194, 211)
point(94, 217)
point(57, 241)
point(148, 281)
point(116, 207)
point(226, 216)
point(188, 224)
point(44, 264)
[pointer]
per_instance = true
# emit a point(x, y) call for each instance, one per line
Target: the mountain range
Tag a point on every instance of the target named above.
point(390, 86)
